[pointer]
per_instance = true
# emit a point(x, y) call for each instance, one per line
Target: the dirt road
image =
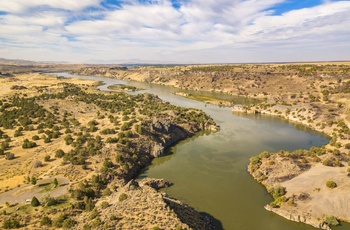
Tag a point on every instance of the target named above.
point(21, 194)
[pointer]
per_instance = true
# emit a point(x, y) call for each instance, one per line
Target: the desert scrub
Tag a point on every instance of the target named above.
point(11, 223)
point(104, 204)
point(255, 162)
point(277, 193)
point(331, 184)
point(331, 220)
point(123, 196)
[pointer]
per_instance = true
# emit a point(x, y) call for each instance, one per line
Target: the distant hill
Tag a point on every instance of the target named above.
point(4, 61)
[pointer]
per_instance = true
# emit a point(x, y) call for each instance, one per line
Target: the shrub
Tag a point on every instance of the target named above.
point(35, 202)
point(104, 204)
point(59, 221)
point(9, 156)
point(47, 140)
point(28, 144)
point(48, 200)
point(106, 192)
point(55, 182)
point(68, 223)
point(278, 191)
point(59, 153)
point(33, 180)
point(331, 220)
point(46, 221)
point(11, 223)
point(37, 164)
point(123, 196)
point(47, 158)
point(331, 184)
point(97, 222)
point(347, 146)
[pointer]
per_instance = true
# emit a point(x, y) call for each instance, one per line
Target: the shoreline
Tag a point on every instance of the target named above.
point(326, 110)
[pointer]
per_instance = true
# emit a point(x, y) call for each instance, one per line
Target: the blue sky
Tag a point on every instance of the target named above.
point(175, 31)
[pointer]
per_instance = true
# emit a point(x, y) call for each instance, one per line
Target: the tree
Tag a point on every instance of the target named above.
point(59, 153)
point(47, 158)
point(55, 182)
point(33, 181)
point(35, 202)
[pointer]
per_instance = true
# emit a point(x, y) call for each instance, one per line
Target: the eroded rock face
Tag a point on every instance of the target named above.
point(167, 134)
point(163, 126)
point(155, 183)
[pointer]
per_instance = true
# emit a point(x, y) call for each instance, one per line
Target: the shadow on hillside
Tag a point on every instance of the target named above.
point(195, 220)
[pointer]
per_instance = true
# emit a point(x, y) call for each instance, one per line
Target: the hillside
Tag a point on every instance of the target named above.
point(63, 133)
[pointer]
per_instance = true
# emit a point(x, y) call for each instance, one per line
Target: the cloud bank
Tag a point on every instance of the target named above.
point(182, 31)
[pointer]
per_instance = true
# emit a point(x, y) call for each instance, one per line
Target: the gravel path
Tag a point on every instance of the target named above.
point(21, 194)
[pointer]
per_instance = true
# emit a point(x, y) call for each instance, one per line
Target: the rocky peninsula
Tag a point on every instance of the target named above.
point(64, 135)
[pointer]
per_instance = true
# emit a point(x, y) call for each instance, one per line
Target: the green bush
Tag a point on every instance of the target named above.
point(47, 158)
point(46, 221)
point(28, 144)
point(35, 202)
point(331, 220)
point(104, 204)
point(11, 223)
point(9, 156)
point(68, 223)
point(106, 192)
point(123, 196)
point(331, 184)
point(278, 191)
point(59, 153)
point(59, 220)
point(347, 146)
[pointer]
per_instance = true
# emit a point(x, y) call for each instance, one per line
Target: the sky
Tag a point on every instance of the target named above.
point(175, 31)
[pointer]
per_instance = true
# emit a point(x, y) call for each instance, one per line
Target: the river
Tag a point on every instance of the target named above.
point(209, 170)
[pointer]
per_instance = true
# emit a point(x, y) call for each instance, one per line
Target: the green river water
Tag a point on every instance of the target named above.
point(209, 170)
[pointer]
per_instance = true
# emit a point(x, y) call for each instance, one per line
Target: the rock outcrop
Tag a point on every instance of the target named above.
point(155, 183)
point(145, 208)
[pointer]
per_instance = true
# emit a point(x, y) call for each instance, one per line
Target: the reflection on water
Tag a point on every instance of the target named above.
point(209, 172)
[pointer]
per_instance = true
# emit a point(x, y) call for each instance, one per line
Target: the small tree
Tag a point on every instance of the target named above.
point(35, 202)
point(33, 180)
point(55, 182)
point(47, 158)
point(59, 153)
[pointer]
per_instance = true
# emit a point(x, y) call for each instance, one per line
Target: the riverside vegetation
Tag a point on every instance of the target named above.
point(73, 151)
point(309, 186)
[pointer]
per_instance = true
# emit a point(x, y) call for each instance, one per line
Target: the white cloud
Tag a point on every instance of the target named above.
point(224, 29)
point(20, 6)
